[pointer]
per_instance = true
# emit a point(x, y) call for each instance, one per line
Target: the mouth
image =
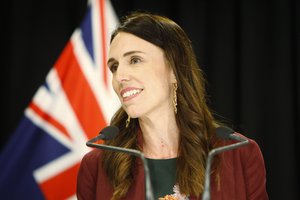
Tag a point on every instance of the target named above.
point(130, 93)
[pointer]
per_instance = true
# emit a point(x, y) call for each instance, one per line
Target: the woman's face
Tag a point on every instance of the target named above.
point(141, 77)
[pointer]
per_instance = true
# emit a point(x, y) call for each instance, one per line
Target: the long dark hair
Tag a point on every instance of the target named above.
point(194, 119)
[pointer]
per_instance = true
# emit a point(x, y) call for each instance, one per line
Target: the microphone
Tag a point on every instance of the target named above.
point(222, 133)
point(109, 133)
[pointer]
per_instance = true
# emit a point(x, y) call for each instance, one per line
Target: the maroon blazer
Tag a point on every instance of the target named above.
point(242, 177)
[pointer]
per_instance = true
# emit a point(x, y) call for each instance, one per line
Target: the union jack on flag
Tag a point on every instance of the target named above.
point(43, 156)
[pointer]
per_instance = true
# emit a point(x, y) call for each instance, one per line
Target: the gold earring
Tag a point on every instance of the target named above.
point(175, 97)
point(127, 121)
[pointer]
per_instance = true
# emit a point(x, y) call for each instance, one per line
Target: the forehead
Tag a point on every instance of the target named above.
point(126, 42)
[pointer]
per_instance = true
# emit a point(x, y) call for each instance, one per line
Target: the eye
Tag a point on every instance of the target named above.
point(113, 67)
point(135, 60)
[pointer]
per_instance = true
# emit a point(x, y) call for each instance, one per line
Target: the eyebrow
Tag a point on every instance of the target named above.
point(124, 55)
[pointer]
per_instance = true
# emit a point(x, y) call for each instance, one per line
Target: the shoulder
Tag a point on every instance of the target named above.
point(88, 174)
point(247, 158)
point(246, 152)
point(246, 167)
point(90, 162)
point(250, 152)
point(92, 156)
point(252, 159)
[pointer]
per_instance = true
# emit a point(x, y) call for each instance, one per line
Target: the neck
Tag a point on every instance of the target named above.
point(160, 136)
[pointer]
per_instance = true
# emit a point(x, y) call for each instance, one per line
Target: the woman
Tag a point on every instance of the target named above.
point(164, 114)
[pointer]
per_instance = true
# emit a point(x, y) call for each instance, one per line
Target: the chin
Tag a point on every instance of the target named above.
point(132, 113)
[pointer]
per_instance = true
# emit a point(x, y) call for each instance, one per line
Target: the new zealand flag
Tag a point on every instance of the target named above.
point(43, 156)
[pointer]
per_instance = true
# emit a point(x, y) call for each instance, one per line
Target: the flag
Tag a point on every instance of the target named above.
point(42, 158)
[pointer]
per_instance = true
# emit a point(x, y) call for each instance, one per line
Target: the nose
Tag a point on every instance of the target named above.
point(122, 74)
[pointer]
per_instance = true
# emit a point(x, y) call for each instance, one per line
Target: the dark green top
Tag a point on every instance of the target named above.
point(163, 176)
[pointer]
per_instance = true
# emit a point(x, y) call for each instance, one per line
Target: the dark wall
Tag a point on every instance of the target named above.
point(249, 51)
point(35, 33)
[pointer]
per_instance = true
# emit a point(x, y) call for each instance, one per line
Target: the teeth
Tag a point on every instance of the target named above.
point(130, 93)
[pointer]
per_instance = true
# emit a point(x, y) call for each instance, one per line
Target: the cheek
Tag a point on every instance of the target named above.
point(162, 88)
point(115, 86)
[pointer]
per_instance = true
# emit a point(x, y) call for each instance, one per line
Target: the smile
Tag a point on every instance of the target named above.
point(130, 93)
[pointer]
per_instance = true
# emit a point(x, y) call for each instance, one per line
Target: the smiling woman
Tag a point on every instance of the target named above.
point(141, 77)
point(164, 114)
